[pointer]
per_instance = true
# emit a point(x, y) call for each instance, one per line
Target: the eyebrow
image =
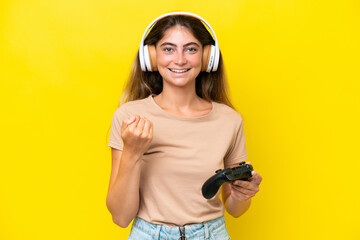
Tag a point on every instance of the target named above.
point(185, 45)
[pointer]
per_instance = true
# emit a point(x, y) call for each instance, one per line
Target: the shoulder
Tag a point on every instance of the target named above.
point(131, 107)
point(227, 112)
point(134, 105)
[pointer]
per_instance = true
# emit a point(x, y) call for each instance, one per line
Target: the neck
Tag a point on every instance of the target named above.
point(183, 101)
point(177, 99)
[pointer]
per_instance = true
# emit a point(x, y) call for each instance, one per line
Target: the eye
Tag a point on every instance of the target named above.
point(168, 49)
point(191, 50)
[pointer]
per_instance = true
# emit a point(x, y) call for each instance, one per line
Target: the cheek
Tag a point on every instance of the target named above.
point(162, 60)
point(162, 65)
point(163, 71)
point(196, 60)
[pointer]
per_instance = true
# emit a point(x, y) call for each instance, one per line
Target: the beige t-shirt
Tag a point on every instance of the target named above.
point(183, 154)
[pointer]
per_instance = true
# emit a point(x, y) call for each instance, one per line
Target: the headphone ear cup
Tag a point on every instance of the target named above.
point(205, 58)
point(216, 60)
point(212, 59)
point(147, 59)
point(152, 57)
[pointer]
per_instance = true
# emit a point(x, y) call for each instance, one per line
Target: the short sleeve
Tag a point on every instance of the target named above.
point(237, 151)
point(115, 140)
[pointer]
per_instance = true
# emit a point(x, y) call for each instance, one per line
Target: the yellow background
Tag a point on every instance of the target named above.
point(293, 70)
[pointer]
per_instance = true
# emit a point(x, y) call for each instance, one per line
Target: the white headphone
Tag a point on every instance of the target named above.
point(147, 54)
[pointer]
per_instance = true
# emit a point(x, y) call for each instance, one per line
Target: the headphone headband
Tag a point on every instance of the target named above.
point(213, 58)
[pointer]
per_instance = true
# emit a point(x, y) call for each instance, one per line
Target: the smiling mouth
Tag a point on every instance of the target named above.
point(179, 70)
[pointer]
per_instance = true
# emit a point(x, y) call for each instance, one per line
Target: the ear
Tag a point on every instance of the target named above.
point(152, 56)
point(205, 57)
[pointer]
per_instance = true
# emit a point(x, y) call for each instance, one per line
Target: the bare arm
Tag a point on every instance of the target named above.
point(123, 193)
point(237, 195)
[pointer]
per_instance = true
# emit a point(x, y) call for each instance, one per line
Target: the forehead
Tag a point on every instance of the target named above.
point(178, 35)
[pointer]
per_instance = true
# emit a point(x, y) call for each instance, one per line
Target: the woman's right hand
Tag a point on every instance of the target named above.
point(136, 133)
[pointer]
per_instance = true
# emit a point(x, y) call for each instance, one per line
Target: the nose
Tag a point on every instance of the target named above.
point(180, 58)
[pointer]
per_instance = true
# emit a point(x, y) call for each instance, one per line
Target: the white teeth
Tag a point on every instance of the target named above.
point(179, 71)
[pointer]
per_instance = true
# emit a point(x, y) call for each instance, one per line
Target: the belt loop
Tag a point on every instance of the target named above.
point(206, 230)
point(157, 233)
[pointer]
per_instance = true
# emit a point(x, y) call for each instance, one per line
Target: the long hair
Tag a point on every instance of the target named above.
point(209, 86)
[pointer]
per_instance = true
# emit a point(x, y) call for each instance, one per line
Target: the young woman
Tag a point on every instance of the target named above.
point(175, 128)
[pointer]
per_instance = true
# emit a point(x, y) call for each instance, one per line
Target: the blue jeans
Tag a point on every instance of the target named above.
point(210, 230)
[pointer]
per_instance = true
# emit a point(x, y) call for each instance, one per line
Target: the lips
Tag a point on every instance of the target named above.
point(179, 70)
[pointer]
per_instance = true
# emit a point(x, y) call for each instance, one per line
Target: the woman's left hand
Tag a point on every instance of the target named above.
point(244, 190)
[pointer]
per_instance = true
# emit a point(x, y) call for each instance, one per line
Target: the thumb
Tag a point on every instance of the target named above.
point(126, 122)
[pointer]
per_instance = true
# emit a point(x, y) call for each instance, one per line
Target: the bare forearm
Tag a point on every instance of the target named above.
point(123, 196)
point(236, 208)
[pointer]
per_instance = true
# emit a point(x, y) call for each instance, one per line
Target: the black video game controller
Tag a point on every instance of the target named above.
point(212, 185)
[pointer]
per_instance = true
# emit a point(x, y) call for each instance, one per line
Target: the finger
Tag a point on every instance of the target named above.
point(134, 124)
point(127, 121)
point(140, 126)
point(242, 183)
point(256, 178)
point(244, 191)
point(241, 193)
point(137, 119)
point(247, 186)
point(147, 126)
point(151, 130)
point(130, 120)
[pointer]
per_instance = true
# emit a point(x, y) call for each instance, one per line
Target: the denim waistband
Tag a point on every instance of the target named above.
point(190, 231)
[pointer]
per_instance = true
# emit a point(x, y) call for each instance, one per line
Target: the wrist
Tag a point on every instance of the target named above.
point(236, 207)
point(131, 155)
point(235, 201)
